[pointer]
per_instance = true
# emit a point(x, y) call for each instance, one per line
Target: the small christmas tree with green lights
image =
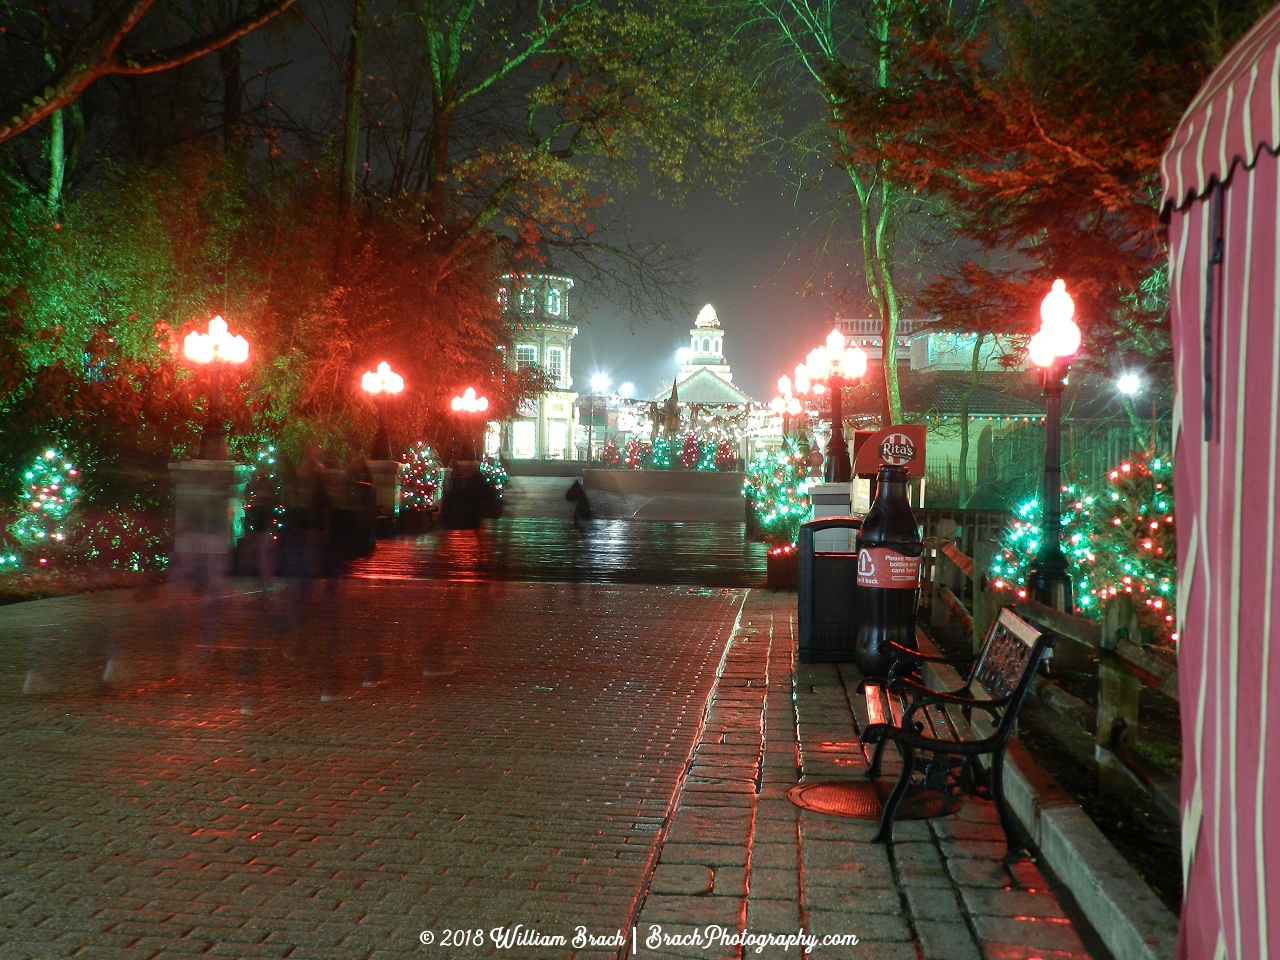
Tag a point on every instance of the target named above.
point(660, 455)
point(1118, 537)
point(494, 473)
point(48, 498)
point(778, 490)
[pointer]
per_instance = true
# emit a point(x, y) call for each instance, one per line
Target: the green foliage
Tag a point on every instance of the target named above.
point(1118, 537)
point(777, 489)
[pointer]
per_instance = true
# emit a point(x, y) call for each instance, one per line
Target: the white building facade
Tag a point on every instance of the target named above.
point(536, 309)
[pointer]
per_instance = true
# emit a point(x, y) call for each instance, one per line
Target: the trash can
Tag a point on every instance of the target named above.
point(828, 596)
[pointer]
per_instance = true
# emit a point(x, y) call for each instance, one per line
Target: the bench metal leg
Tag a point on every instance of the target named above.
point(885, 834)
point(1012, 841)
point(877, 755)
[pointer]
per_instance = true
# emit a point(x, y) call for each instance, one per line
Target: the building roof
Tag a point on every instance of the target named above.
point(703, 386)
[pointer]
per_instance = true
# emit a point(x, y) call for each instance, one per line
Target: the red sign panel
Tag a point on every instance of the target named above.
point(901, 445)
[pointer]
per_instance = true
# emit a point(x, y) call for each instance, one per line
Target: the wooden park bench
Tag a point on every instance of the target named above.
point(919, 719)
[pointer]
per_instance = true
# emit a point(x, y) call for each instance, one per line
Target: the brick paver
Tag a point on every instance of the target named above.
point(741, 855)
point(273, 776)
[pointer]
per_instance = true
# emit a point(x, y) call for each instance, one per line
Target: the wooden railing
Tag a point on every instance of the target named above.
point(1124, 667)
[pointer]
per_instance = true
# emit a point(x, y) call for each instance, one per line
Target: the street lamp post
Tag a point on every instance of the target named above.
point(379, 385)
point(786, 405)
point(1051, 349)
point(827, 369)
point(215, 348)
point(468, 405)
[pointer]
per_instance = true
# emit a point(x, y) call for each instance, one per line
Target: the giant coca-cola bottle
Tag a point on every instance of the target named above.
point(888, 575)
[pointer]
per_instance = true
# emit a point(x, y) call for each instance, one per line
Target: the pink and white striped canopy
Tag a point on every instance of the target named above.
point(1223, 191)
point(1233, 117)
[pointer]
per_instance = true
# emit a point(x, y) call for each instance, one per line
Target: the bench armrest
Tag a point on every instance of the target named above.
point(925, 695)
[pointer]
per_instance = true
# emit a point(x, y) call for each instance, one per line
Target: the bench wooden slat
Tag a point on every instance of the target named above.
point(875, 702)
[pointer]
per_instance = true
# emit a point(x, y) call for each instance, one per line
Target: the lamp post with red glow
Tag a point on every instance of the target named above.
point(827, 369)
point(380, 385)
point(215, 348)
point(1051, 349)
point(786, 405)
point(468, 406)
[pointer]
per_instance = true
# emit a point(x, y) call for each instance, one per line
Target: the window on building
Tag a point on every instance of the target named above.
point(553, 302)
point(524, 439)
point(557, 439)
point(706, 346)
point(526, 356)
point(528, 301)
point(555, 365)
point(718, 345)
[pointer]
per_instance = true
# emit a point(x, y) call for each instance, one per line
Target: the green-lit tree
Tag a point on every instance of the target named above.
point(777, 488)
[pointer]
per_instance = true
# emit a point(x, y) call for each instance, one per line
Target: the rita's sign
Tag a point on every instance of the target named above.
point(902, 445)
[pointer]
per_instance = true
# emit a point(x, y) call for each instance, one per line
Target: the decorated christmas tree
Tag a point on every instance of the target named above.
point(660, 455)
point(610, 456)
point(264, 509)
point(778, 491)
point(635, 453)
point(419, 478)
point(1118, 537)
point(690, 451)
point(494, 473)
point(707, 455)
point(48, 498)
point(725, 455)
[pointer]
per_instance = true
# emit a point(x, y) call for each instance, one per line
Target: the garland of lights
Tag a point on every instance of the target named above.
point(1119, 539)
point(777, 488)
point(419, 478)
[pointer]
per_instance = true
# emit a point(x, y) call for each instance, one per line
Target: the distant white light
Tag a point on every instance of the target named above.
point(1129, 384)
point(707, 317)
point(683, 355)
point(600, 383)
point(627, 391)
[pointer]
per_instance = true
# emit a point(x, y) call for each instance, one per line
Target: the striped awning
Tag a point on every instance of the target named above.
point(1233, 117)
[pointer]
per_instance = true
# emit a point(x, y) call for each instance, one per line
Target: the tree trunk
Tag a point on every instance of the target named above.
point(57, 160)
point(229, 58)
point(438, 162)
point(964, 421)
point(350, 139)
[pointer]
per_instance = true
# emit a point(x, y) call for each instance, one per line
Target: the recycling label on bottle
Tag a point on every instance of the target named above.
point(887, 569)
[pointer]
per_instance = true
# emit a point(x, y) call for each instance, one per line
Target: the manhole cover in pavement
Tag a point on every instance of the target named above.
point(864, 800)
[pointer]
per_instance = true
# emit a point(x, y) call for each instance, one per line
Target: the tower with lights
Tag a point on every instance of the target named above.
point(536, 309)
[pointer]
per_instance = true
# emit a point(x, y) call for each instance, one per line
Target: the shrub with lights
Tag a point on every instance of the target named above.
point(494, 473)
point(1119, 538)
point(690, 452)
point(264, 509)
point(49, 494)
point(660, 455)
point(777, 489)
point(419, 479)
point(636, 454)
point(610, 455)
point(725, 455)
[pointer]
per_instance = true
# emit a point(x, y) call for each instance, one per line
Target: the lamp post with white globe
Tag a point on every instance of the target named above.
point(1051, 349)
point(379, 385)
point(827, 369)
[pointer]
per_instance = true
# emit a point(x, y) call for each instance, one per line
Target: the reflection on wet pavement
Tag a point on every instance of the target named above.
point(550, 549)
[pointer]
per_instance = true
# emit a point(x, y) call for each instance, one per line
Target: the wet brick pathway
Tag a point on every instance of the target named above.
point(483, 754)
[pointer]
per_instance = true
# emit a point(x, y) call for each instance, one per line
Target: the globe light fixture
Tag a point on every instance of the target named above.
point(468, 406)
point(828, 369)
point(1051, 349)
point(380, 384)
point(627, 390)
point(215, 348)
point(1129, 384)
point(600, 383)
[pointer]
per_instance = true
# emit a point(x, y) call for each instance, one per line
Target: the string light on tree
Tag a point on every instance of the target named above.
point(777, 487)
point(635, 454)
point(47, 501)
point(419, 478)
point(610, 455)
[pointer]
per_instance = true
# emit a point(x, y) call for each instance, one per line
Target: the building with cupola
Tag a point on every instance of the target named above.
point(536, 310)
point(705, 377)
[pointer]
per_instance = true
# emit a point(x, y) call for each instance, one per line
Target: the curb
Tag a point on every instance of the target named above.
point(1128, 917)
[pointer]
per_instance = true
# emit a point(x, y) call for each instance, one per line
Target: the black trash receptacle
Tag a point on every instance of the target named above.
point(828, 596)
